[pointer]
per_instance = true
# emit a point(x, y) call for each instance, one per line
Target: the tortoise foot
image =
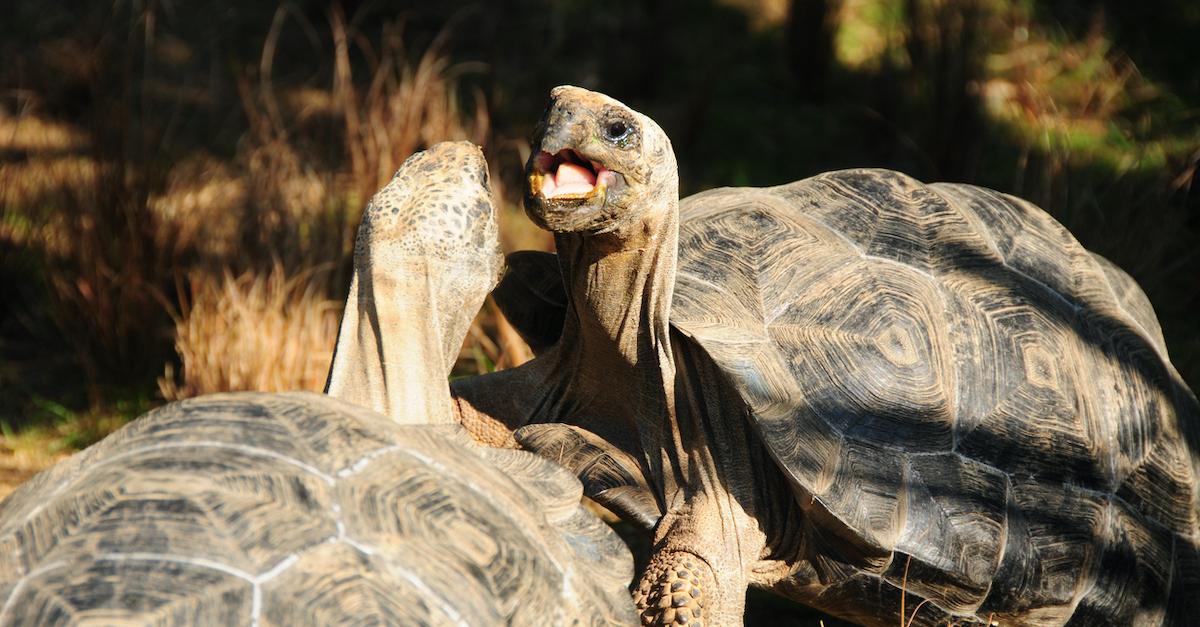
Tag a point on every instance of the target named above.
point(675, 590)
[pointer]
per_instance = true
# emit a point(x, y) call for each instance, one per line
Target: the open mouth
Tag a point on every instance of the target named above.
point(568, 175)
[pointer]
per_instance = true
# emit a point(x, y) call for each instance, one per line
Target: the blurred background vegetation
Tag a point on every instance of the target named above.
point(180, 181)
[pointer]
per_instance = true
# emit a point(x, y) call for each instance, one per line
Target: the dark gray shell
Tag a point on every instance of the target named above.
point(298, 508)
point(956, 389)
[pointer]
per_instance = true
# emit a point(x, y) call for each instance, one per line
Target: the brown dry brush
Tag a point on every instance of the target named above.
point(126, 229)
point(403, 108)
point(275, 331)
point(144, 247)
point(104, 256)
point(268, 332)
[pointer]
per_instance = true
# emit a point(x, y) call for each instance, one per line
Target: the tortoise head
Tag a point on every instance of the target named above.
point(596, 165)
point(426, 255)
point(438, 208)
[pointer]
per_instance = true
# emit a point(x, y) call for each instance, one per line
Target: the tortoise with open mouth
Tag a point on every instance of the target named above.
point(859, 391)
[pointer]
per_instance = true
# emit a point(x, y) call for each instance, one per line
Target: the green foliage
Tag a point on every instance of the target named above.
point(65, 430)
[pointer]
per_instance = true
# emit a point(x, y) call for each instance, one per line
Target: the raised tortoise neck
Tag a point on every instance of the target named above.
point(389, 354)
point(619, 286)
point(425, 256)
point(613, 362)
point(612, 365)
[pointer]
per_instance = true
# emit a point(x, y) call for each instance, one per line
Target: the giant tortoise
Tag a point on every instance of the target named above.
point(300, 508)
point(868, 394)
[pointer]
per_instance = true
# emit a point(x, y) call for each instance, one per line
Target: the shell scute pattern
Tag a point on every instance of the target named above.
point(1160, 487)
point(290, 508)
point(890, 216)
point(409, 500)
point(879, 359)
point(346, 582)
point(941, 371)
point(961, 503)
point(1032, 243)
point(867, 507)
point(200, 595)
point(1048, 548)
point(1134, 301)
point(189, 518)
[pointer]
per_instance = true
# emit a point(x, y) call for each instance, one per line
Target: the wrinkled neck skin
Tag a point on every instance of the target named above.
point(612, 365)
point(613, 373)
point(614, 355)
point(391, 353)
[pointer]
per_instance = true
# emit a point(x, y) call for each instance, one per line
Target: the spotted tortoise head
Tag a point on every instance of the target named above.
point(426, 255)
point(438, 207)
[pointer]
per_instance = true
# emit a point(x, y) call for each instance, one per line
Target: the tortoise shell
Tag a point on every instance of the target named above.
point(969, 403)
point(298, 508)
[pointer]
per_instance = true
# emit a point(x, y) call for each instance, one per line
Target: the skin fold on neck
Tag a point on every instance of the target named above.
point(391, 340)
point(646, 420)
point(612, 365)
point(667, 448)
point(619, 287)
point(615, 348)
point(613, 374)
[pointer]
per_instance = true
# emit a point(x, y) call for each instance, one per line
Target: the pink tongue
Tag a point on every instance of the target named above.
point(573, 179)
point(572, 188)
point(571, 173)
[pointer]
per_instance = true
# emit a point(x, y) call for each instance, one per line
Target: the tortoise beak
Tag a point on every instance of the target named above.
point(567, 174)
point(557, 166)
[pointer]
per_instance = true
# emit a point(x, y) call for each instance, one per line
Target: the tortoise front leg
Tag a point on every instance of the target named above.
point(698, 573)
point(491, 406)
point(680, 588)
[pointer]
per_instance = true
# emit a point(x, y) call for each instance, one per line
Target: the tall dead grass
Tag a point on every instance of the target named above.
point(403, 107)
point(238, 262)
point(268, 332)
point(274, 329)
point(106, 261)
point(75, 201)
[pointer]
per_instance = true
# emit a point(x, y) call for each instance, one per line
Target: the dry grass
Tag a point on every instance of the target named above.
point(205, 199)
point(1074, 90)
point(107, 262)
point(37, 181)
point(274, 329)
point(265, 331)
point(269, 332)
point(491, 344)
point(403, 108)
point(215, 256)
point(31, 133)
point(126, 230)
point(28, 452)
point(761, 14)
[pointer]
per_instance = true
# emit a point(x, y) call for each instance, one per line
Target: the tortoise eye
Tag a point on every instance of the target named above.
point(616, 130)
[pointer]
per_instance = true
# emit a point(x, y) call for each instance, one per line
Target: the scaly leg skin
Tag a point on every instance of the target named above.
point(677, 589)
point(695, 579)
